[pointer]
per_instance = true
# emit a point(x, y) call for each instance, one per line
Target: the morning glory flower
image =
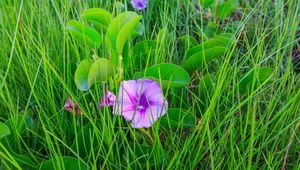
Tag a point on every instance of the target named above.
point(71, 106)
point(111, 98)
point(141, 102)
point(139, 4)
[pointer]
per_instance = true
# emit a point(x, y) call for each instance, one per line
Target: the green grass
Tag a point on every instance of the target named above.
point(259, 130)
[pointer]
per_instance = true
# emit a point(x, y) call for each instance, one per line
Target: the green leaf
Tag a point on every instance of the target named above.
point(170, 75)
point(86, 139)
point(125, 32)
point(205, 87)
point(256, 76)
point(146, 154)
point(162, 35)
point(197, 56)
point(18, 125)
point(225, 8)
point(211, 29)
point(144, 47)
point(101, 70)
point(64, 162)
point(84, 33)
point(98, 17)
point(206, 3)
point(82, 73)
point(188, 41)
point(4, 130)
point(118, 32)
point(142, 50)
point(138, 30)
point(178, 118)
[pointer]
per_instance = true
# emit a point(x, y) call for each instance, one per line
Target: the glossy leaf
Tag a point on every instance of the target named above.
point(4, 130)
point(176, 118)
point(98, 17)
point(101, 70)
point(125, 32)
point(170, 75)
point(198, 55)
point(82, 73)
point(116, 36)
point(64, 162)
point(256, 76)
point(84, 33)
point(225, 8)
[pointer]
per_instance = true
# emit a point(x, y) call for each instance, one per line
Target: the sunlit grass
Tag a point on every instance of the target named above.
point(234, 131)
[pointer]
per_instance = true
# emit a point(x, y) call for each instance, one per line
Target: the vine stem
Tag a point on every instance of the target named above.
point(146, 133)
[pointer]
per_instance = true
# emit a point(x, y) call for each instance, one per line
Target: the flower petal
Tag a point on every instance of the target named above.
point(155, 111)
point(127, 92)
point(154, 94)
point(142, 85)
point(140, 121)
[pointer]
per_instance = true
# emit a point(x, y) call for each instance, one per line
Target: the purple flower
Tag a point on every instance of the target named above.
point(110, 99)
point(70, 106)
point(140, 102)
point(139, 4)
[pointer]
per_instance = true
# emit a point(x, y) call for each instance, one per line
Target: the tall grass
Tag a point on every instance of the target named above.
point(258, 130)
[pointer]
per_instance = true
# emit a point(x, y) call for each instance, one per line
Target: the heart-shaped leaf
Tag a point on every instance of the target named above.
point(118, 32)
point(197, 56)
point(98, 17)
point(4, 130)
point(256, 76)
point(170, 75)
point(82, 73)
point(101, 70)
point(84, 33)
point(64, 162)
point(178, 118)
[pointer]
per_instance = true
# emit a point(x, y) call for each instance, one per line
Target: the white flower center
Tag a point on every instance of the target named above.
point(140, 107)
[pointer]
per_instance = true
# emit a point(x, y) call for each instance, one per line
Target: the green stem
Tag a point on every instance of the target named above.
point(147, 134)
point(120, 66)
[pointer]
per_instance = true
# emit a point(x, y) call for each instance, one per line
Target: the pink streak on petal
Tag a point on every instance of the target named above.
point(140, 121)
point(127, 91)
